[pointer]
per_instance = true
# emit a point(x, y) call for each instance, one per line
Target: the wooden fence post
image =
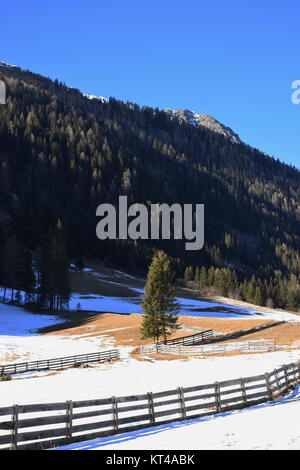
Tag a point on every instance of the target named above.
point(277, 380)
point(151, 408)
point(268, 386)
point(115, 413)
point(69, 420)
point(244, 395)
point(286, 377)
point(15, 418)
point(294, 371)
point(181, 402)
point(218, 397)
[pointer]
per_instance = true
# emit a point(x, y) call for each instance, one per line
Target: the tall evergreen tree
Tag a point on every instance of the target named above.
point(54, 288)
point(159, 305)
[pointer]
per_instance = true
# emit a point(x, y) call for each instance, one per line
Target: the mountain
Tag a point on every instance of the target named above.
point(204, 120)
point(62, 154)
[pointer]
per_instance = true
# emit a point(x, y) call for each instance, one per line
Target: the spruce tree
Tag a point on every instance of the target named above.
point(189, 273)
point(54, 288)
point(159, 305)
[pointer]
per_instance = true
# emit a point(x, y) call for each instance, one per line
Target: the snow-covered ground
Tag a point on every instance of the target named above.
point(130, 376)
point(17, 321)
point(190, 307)
point(266, 426)
point(270, 426)
point(20, 342)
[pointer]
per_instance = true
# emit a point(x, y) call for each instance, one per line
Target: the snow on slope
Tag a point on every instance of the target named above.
point(269, 426)
point(17, 321)
point(190, 307)
point(19, 341)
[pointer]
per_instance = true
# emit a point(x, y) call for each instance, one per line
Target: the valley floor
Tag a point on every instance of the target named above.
point(272, 425)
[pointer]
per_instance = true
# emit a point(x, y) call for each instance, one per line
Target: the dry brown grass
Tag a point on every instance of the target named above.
point(126, 328)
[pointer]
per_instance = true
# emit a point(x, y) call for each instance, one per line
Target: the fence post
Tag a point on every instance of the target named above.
point(278, 381)
point(15, 418)
point(115, 413)
point(218, 397)
point(69, 420)
point(268, 386)
point(182, 403)
point(244, 395)
point(286, 377)
point(151, 407)
point(294, 371)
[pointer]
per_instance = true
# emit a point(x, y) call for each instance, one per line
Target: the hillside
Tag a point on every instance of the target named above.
point(63, 153)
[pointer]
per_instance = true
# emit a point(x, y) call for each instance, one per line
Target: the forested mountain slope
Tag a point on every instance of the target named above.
point(62, 154)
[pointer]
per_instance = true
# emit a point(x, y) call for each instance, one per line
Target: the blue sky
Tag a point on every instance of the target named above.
point(235, 60)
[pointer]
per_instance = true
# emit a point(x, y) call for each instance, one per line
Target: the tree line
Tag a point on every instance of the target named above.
point(44, 281)
point(276, 292)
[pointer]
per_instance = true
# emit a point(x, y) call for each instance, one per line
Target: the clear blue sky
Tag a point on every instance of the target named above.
point(233, 59)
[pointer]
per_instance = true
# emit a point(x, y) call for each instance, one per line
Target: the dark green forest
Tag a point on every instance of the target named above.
point(62, 154)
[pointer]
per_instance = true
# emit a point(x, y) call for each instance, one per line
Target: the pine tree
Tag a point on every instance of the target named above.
point(197, 275)
point(189, 274)
point(159, 304)
point(54, 288)
point(203, 278)
point(9, 265)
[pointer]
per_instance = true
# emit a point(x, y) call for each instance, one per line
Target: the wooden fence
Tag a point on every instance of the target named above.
point(237, 334)
point(59, 363)
point(208, 336)
point(189, 340)
point(215, 348)
point(52, 424)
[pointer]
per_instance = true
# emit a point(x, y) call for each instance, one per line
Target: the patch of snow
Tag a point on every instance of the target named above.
point(188, 307)
point(16, 321)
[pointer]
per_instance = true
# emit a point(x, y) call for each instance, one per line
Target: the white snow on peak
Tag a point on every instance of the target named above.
point(204, 120)
point(94, 97)
point(5, 64)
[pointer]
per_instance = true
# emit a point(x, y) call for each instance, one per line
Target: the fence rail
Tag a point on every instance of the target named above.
point(42, 426)
point(215, 348)
point(189, 340)
point(209, 337)
point(59, 363)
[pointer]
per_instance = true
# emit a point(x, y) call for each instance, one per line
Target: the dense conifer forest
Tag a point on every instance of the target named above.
point(62, 154)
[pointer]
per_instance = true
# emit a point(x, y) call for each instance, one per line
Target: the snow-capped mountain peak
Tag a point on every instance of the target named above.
point(94, 97)
point(5, 64)
point(204, 120)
